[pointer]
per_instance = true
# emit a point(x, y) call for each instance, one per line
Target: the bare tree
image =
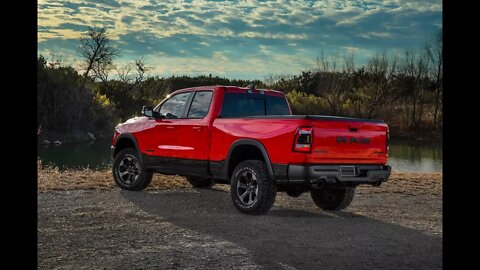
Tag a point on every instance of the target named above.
point(371, 91)
point(414, 70)
point(97, 53)
point(56, 60)
point(381, 68)
point(332, 84)
point(348, 62)
point(133, 73)
point(434, 51)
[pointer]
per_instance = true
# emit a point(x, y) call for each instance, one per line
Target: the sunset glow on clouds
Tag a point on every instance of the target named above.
point(237, 39)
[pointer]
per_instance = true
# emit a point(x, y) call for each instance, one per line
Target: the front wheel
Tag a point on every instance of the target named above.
point(252, 191)
point(333, 199)
point(128, 172)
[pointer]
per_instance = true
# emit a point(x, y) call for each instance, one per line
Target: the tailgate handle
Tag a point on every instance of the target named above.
point(353, 129)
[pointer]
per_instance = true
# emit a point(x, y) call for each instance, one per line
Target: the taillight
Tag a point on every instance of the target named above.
point(303, 139)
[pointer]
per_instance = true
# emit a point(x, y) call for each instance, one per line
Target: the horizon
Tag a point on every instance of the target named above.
point(222, 38)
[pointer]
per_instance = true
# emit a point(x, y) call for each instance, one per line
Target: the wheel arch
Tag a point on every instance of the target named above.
point(126, 140)
point(244, 149)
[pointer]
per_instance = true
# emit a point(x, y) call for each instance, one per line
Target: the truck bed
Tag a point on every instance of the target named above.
point(336, 140)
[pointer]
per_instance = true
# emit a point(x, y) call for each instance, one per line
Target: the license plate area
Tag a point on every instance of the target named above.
point(347, 171)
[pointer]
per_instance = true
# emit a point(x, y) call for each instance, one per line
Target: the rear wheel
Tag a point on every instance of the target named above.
point(333, 199)
point(252, 191)
point(128, 172)
point(200, 182)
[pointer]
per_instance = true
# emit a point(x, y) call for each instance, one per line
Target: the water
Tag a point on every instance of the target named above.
point(408, 157)
point(403, 157)
point(94, 155)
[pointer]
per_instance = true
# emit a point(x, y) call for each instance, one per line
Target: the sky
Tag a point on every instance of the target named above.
point(245, 39)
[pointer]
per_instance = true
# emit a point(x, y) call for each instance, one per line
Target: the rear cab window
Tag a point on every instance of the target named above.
point(238, 104)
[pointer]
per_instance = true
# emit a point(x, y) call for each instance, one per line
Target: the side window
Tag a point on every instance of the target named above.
point(174, 107)
point(200, 104)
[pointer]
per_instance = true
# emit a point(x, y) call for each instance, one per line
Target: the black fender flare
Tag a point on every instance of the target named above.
point(130, 137)
point(258, 145)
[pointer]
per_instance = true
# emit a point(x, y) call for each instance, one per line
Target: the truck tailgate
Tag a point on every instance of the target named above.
point(349, 141)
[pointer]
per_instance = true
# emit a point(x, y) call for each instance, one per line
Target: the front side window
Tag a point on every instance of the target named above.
point(174, 107)
point(200, 104)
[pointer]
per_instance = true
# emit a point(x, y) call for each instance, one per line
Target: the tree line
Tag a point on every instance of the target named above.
point(404, 89)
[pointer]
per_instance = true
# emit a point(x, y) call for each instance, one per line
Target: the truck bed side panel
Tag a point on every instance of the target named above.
point(277, 135)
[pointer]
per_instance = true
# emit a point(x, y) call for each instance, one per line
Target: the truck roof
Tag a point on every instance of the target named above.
point(227, 87)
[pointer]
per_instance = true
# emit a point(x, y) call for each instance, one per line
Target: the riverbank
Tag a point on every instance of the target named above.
point(85, 179)
point(403, 157)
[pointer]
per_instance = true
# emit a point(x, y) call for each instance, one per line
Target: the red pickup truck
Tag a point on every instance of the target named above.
point(248, 138)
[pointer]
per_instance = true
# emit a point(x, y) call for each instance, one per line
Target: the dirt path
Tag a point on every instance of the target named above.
point(396, 226)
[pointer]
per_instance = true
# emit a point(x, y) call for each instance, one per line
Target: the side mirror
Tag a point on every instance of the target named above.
point(147, 111)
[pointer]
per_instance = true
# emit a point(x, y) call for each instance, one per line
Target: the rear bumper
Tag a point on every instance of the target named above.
point(321, 174)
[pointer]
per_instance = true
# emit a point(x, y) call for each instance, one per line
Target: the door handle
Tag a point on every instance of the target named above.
point(170, 127)
point(197, 128)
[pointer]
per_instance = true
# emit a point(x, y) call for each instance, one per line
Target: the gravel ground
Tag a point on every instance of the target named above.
point(173, 226)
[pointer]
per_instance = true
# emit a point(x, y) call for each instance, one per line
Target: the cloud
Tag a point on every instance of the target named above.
point(264, 36)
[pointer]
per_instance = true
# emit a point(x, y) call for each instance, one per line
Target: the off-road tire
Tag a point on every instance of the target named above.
point(200, 182)
point(265, 189)
point(137, 183)
point(333, 199)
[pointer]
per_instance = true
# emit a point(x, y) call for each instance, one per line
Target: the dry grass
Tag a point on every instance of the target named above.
point(409, 184)
point(54, 179)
